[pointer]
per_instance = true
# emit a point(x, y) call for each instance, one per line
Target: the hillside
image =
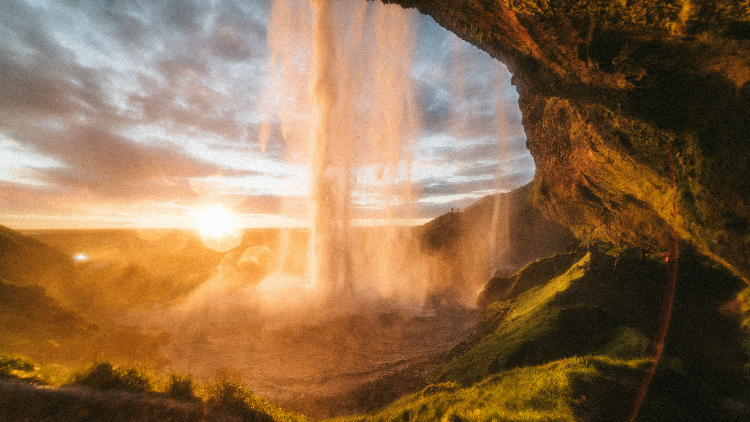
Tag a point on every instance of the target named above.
point(498, 234)
point(25, 261)
point(41, 317)
point(36, 325)
point(569, 338)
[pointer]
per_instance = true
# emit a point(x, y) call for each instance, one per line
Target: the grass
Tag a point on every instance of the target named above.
point(551, 392)
point(17, 367)
point(600, 313)
point(568, 346)
point(530, 323)
point(233, 398)
point(223, 396)
point(539, 296)
point(531, 275)
point(628, 343)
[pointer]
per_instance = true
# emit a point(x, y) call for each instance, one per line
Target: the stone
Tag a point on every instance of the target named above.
point(637, 113)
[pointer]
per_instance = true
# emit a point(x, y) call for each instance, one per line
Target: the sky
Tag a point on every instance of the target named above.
point(141, 113)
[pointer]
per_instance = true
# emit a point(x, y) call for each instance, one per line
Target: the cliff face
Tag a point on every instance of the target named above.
point(637, 113)
point(476, 247)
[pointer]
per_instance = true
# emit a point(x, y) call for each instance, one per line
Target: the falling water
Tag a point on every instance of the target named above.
point(500, 232)
point(465, 65)
point(339, 94)
point(353, 111)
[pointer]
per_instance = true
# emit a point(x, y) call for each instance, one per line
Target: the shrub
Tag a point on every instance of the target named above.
point(16, 367)
point(181, 387)
point(230, 396)
point(105, 376)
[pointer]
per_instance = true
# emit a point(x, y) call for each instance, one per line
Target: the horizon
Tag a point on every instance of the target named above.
point(141, 115)
point(292, 224)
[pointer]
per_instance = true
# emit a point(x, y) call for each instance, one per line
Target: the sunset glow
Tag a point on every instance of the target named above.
point(117, 134)
point(215, 222)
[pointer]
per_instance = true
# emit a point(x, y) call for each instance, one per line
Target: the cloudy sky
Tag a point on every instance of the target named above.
point(129, 113)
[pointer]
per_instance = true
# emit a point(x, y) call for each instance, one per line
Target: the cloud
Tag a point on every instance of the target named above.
point(137, 100)
point(17, 198)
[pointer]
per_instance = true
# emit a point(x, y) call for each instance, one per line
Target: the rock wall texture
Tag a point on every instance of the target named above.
point(637, 113)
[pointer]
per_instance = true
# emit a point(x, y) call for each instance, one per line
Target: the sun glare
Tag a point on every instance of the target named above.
point(215, 222)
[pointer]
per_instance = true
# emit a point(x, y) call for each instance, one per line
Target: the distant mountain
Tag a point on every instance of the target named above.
point(36, 325)
point(38, 320)
point(26, 261)
point(496, 235)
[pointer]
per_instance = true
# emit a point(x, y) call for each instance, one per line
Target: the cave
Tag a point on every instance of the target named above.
point(637, 115)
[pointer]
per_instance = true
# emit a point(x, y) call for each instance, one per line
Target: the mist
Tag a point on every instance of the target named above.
point(258, 318)
point(330, 309)
point(313, 313)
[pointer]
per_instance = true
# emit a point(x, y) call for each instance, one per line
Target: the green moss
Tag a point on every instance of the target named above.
point(539, 296)
point(548, 268)
point(550, 392)
point(532, 274)
point(536, 330)
point(494, 351)
point(628, 343)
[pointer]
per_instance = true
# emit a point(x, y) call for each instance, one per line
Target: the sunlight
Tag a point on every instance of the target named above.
point(219, 229)
point(215, 222)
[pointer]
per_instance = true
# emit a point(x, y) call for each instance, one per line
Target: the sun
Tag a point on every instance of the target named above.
point(215, 222)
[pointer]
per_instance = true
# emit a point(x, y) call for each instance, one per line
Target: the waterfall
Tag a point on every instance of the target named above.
point(351, 117)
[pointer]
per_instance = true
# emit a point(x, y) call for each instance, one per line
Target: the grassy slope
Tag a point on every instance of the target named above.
point(574, 346)
point(36, 325)
point(554, 391)
point(26, 261)
point(104, 392)
point(566, 339)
